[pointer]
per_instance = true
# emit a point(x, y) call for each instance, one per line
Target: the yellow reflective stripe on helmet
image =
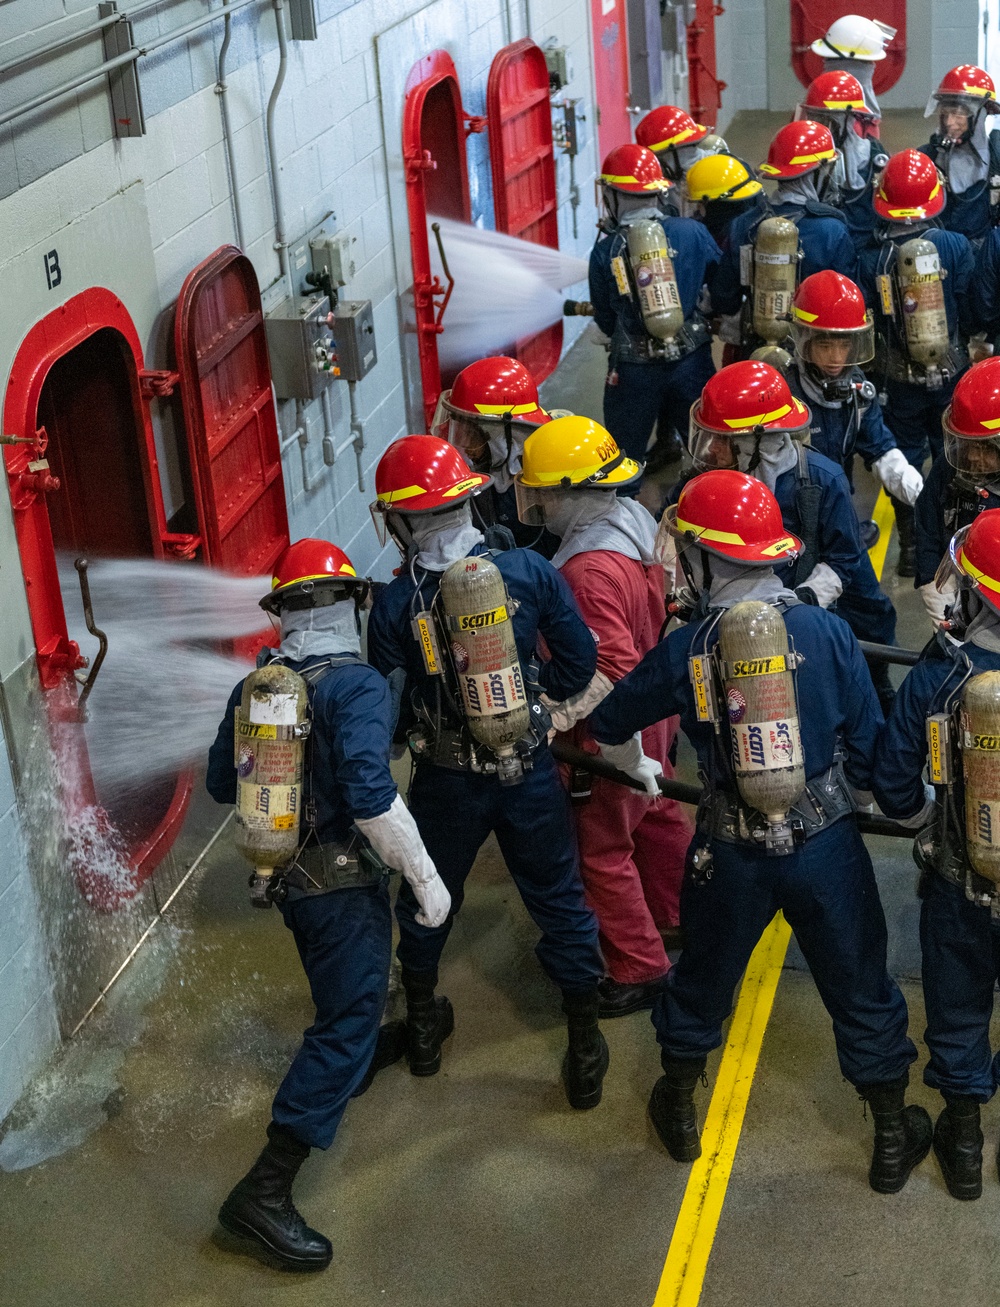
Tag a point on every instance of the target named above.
point(818, 157)
point(317, 576)
point(497, 410)
point(739, 424)
point(407, 492)
point(612, 179)
point(979, 577)
point(779, 547)
point(991, 424)
point(843, 104)
point(462, 486)
point(801, 313)
point(972, 90)
point(674, 140)
point(706, 533)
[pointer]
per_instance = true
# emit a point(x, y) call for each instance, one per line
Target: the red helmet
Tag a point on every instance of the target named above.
point(909, 189)
point(967, 82)
point(975, 552)
point(748, 399)
point(490, 411)
point(668, 127)
point(835, 92)
point(830, 323)
point(735, 516)
point(799, 147)
point(305, 565)
point(422, 474)
point(971, 422)
point(634, 170)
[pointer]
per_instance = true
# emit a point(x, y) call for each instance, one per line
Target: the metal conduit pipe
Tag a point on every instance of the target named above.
point(357, 432)
point(227, 133)
point(130, 56)
point(868, 823)
point(280, 243)
point(79, 35)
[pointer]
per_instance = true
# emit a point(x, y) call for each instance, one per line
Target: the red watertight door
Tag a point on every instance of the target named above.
point(232, 427)
point(704, 88)
point(614, 127)
point(522, 160)
point(437, 183)
point(811, 18)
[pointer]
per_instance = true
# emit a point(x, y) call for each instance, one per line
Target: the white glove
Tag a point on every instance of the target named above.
point(900, 478)
point(630, 759)
point(825, 584)
point(936, 602)
point(730, 331)
point(565, 715)
point(921, 818)
point(395, 838)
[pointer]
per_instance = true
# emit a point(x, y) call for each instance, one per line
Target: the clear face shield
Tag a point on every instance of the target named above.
point(739, 450)
point(976, 458)
point(956, 116)
point(531, 504)
point(829, 354)
point(488, 443)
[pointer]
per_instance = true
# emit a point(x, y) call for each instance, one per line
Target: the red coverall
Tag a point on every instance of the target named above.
point(631, 850)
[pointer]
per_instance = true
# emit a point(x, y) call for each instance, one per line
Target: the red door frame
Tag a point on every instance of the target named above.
point(434, 70)
point(609, 23)
point(704, 87)
point(810, 19)
point(522, 161)
point(58, 657)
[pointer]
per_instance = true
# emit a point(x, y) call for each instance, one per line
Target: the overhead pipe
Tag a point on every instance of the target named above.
point(227, 133)
point(70, 38)
point(130, 56)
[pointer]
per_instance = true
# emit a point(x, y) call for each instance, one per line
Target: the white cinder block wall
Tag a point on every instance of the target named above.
point(61, 172)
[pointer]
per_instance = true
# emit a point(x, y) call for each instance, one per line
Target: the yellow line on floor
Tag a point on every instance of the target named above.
point(694, 1231)
point(885, 520)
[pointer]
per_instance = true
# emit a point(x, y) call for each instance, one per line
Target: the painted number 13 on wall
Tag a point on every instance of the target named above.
point(53, 272)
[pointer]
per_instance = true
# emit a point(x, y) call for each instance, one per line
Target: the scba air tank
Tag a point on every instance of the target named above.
point(483, 652)
point(980, 738)
point(775, 277)
point(271, 727)
point(919, 279)
point(655, 279)
point(757, 671)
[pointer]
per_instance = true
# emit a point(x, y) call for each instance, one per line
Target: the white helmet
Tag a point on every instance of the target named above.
point(854, 37)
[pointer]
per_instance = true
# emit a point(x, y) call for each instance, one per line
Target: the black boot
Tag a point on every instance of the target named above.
point(907, 564)
point(260, 1208)
point(902, 1135)
point(958, 1146)
point(587, 1057)
point(616, 999)
point(389, 1048)
point(671, 1106)
point(429, 1022)
point(869, 533)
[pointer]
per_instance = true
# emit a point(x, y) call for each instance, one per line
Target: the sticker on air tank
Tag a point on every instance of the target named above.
point(766, 746)
point(267, 807)
point(983, 822)
point(274, 709)
point(487, 694)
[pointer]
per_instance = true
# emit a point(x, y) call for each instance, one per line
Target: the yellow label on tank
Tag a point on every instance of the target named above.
point(759, 666)
point(256, 730)
point(475, 621)
point(984, 743)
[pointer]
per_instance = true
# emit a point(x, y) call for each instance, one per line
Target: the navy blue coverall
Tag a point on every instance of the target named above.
point(824, 236)
point(455, 811)
point(967, 212)
point(856, 426)
point(863, 605)
point(638, 389)
point(946, 504)
point(344, 937)
point(959, 941)
point(826, 888)
point(984, 296)
point(915, 410)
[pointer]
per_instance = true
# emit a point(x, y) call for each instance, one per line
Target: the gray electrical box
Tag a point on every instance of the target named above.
point(302, 19)
point(560, 66)
point(300, 346)
point(354, 339)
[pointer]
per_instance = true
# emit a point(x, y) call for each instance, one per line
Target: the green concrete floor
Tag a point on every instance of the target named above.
point(480, 1186)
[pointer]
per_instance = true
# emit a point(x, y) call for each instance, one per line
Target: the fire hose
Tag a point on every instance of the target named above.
point(868, 823)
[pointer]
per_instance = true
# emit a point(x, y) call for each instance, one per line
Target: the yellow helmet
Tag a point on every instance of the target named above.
point(721, 177)
point(569, 453)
